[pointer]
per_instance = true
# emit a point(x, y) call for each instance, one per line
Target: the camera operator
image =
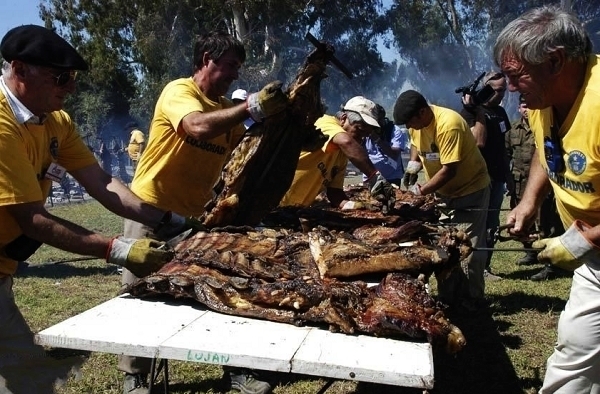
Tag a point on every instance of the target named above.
point(489, 124)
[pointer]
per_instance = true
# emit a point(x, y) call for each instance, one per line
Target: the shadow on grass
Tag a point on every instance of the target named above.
point(63, 270)
point(523, 274)
point(517, 301)
point(484, 365)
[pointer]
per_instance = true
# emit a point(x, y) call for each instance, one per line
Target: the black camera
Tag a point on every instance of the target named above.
point(478, 96)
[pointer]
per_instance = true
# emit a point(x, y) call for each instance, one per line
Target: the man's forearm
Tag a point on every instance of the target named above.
point(358, 156)
point(442, 177)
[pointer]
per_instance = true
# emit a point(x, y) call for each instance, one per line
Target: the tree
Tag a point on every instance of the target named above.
point(136, 46)
point(447, 43)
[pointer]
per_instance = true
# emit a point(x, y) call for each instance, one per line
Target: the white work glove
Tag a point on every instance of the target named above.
point(269, 101)
point(140, 256)
point(173, 224)
point(570, 250)
point(415, 189)
point(414, 167)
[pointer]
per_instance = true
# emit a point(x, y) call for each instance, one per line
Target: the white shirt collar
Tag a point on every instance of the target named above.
point(22, 114)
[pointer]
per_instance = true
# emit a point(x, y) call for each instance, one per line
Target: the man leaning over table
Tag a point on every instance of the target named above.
point(442, 143)
point(38, 145)
point(193, 130)
point(324, 169)
point(546, 54)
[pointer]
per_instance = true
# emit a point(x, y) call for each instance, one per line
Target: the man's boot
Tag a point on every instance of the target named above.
point(247, 381)
point(550, 272)
point(136, 384)
point(530, 257)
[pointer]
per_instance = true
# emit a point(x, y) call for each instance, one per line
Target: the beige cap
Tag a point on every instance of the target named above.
point(239, 94)
point(365, 108)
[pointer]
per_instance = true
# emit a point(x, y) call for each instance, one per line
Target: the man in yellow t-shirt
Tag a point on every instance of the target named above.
point(38, 145)
point(193, 130)
point(137, 140)
point(325, 169)
point(442, 143)
point(546, 54)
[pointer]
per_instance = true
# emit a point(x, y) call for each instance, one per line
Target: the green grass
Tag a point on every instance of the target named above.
point(506, 351)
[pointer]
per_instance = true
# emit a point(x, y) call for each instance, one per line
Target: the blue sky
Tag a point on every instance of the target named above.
point(18, 12)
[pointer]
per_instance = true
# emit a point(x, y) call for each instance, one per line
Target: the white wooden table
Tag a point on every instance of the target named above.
point(174, 331)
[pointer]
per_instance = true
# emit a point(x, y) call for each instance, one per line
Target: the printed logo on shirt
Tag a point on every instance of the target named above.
point(205, 145)
point(570, 184)
point(54, 148)
point(334, 171)
point(577, 162)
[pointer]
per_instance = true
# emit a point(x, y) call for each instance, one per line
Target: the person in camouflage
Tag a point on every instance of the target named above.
point(520, 146)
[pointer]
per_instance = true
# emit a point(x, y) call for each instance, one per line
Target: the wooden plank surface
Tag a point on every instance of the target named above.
point(184, 331)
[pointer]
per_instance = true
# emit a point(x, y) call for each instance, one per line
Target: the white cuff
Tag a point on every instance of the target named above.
point(119, 250)
point(578, 245)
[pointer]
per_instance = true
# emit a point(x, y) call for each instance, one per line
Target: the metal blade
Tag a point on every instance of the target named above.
point(313, 40)
point(176, 239)
point(506, 250)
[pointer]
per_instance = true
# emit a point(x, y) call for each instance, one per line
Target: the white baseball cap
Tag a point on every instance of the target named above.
point(239, 94)
point(365, 108)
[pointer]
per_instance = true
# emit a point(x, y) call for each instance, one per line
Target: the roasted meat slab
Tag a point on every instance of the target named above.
point(273, 275)
point(262, 167)
point(341, 255)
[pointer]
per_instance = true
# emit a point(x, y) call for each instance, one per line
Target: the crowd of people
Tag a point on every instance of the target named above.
point(547, 160)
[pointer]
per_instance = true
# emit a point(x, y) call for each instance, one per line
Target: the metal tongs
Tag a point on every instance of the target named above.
point(498, 236)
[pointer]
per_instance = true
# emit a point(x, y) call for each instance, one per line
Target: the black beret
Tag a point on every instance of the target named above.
point(40, 46)
point(407, 105)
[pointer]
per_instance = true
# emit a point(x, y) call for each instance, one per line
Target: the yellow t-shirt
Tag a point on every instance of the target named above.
point(133, 149)
point(323, 168)
point(448, 139)
point(577, 189)
point(177, 172)
point(26, 152)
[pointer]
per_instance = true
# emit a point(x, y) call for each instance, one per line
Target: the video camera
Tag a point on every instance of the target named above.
point(478, 96)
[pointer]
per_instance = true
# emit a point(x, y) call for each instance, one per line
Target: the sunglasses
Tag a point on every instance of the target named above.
point(553, 155)
point(64, 78)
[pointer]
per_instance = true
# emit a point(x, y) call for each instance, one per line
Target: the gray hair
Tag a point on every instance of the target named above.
point(6, 69)
point(353, 117)
point(8, 73)
point(532, 36)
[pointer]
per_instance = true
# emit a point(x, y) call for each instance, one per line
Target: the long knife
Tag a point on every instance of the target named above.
point(412, 243)
point(176, 240)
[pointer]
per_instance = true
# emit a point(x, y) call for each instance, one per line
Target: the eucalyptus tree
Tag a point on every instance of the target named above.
point(444, 44)
point(136, 46)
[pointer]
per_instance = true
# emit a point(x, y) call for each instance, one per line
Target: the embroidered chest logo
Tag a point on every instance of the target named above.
point(577, 162)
